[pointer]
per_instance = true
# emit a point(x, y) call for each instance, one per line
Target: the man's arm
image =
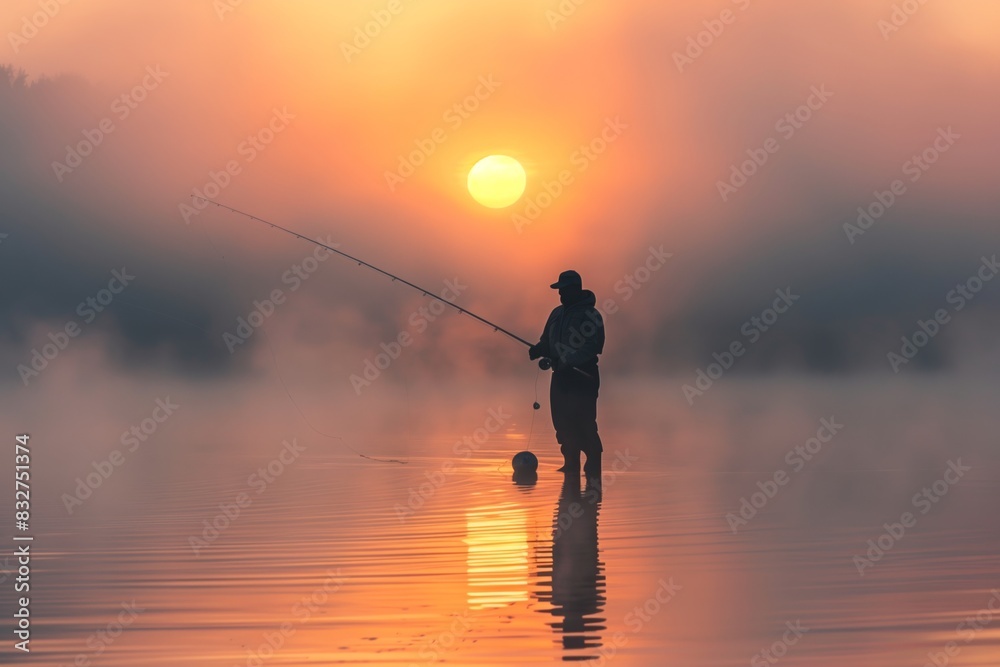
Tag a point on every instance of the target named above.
point(541, 348)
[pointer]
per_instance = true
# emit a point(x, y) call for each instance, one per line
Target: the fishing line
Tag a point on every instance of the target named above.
point(531, 428)
point(535, 406)
point(288, 393)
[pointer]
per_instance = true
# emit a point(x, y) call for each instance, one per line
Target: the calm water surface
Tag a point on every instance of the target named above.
point(446, 559)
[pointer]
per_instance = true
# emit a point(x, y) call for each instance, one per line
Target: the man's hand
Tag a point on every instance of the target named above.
point(534, 352)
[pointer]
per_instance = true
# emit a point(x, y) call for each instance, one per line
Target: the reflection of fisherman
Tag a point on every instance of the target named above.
point(578, 581)
point(572, 339)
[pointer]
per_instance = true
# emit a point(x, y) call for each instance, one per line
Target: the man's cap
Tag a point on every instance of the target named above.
point(566, 279)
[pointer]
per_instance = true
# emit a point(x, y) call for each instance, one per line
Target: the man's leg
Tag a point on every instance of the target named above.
point(590, 440)
point(563, 401)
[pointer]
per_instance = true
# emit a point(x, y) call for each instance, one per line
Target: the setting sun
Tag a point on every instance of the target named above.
point(497, 181)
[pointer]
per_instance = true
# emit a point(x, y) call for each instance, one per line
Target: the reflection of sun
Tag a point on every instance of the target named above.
point(497, 181)
point(497, 562)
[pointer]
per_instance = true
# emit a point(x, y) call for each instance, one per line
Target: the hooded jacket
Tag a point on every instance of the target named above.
point(574, 333)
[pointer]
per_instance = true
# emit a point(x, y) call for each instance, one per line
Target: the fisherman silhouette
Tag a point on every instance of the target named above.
point(572, 339)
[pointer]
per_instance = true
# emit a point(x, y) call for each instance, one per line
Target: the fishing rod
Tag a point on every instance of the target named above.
point(543, 363)
point(361, 262)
